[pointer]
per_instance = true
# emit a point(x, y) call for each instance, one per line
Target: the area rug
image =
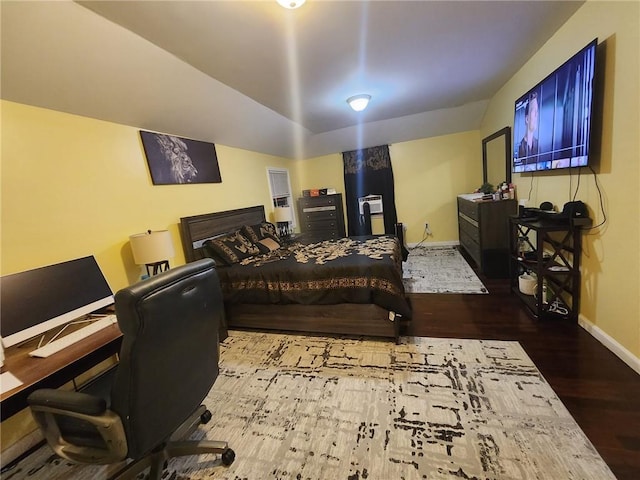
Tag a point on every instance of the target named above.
point(439, 270)
point(315, 408)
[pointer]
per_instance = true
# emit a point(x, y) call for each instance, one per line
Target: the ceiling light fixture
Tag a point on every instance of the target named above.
point(291, 4)
point(359, 102)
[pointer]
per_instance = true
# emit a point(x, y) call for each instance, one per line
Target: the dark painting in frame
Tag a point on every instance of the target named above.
point(174, 160)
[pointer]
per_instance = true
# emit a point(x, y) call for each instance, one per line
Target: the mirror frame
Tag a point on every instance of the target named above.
point(506, 133)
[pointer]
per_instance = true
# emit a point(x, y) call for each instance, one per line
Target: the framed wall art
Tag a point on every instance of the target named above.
point(175, 160)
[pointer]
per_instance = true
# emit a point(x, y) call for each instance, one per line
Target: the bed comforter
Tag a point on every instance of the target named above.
point(349, 270)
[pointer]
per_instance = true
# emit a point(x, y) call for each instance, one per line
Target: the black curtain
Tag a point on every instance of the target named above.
point(368, 172)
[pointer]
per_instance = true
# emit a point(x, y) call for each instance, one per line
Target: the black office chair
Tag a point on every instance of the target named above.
point(168, 363)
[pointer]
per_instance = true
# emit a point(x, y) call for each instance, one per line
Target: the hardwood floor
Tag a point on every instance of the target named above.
point(600, 391)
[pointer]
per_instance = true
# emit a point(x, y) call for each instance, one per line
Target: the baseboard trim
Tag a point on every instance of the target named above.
point(433, 244)
point(618, 350)
point(611, 344)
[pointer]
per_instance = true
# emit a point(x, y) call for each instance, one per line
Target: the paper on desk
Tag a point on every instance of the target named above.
point(8, 381)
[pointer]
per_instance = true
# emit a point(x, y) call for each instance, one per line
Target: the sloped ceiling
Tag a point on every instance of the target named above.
point(253, 75)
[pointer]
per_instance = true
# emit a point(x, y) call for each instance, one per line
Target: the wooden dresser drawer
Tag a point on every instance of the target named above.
point(471, 246)
point(320, 225)
point(469, 208)
point(321, 201)
point(318, 236)
point(315, 214)
point(469, 228)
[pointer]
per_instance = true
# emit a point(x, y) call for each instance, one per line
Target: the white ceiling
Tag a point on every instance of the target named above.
point(253, 75)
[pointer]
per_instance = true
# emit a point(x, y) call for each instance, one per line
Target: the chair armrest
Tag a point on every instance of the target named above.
point(78, 426)
point(70, 401)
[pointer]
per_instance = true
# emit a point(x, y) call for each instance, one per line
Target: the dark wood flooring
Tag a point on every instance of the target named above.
point(600, 391)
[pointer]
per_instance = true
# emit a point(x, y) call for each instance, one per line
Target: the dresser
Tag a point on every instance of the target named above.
point(483, 228)
point(321, 218)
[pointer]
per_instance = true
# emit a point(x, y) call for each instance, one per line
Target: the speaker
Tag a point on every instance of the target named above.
point(546, 206)
point(575, 209)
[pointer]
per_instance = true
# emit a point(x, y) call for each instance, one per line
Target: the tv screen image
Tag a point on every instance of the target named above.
point(552, 121)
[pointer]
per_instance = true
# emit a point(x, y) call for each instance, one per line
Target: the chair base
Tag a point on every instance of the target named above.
point(175, 447)
point(157, 460)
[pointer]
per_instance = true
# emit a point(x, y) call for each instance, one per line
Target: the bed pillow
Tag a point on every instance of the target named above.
point(209, 251)
point(231, 248)
point(267, 245)
point(259, 233)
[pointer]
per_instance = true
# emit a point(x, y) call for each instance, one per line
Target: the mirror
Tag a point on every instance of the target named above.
point(496, 157)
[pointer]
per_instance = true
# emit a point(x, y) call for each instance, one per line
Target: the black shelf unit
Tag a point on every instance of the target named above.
point(551, 250)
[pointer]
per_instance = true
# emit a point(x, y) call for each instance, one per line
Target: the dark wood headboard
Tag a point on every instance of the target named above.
point(195, 230)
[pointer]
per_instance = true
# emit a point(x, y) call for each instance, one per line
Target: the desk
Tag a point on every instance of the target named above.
point(56, 370)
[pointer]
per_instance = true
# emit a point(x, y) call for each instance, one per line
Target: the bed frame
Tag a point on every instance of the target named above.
point(341, 319)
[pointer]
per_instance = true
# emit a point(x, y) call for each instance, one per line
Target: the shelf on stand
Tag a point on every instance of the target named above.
point(553, 256)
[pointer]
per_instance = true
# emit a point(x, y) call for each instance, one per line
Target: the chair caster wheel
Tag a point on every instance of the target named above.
point(205, 417)
point(228, 456)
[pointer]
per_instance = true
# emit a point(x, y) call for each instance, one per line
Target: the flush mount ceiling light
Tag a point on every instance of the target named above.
point(359, 102)
point(291, 4)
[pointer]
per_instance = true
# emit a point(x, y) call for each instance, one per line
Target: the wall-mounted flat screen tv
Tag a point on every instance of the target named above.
point(552, 121)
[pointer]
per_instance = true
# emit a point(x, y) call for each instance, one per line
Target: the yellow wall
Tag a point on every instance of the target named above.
point(74, 186)
point(428, 174)
point(611, 258)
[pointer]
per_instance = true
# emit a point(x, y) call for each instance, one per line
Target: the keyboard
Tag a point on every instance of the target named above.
point(80, 334)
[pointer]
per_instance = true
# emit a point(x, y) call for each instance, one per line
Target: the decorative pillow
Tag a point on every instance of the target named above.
point(261, 231)
point(208, 251)
point(232, 248)
point(267, 245)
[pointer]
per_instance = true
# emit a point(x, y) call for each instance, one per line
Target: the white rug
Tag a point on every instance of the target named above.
point(439, 270)
point(317, 408)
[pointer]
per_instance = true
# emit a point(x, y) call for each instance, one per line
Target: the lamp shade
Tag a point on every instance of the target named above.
point(282, 214)
point(151, 247)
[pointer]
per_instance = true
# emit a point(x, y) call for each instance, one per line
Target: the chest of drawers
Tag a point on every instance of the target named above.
point(321, 218)
point(483, 229)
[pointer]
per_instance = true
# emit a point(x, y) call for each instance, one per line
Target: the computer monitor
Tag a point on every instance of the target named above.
point(38, 300)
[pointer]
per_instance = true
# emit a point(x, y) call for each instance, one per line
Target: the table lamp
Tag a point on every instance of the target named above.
point(282, 216)
point(153, 250)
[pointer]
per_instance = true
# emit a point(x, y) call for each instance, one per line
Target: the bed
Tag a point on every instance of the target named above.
point(350, 286)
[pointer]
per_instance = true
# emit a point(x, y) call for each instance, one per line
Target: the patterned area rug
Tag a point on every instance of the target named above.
point(297, 407)
point(439, 270)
